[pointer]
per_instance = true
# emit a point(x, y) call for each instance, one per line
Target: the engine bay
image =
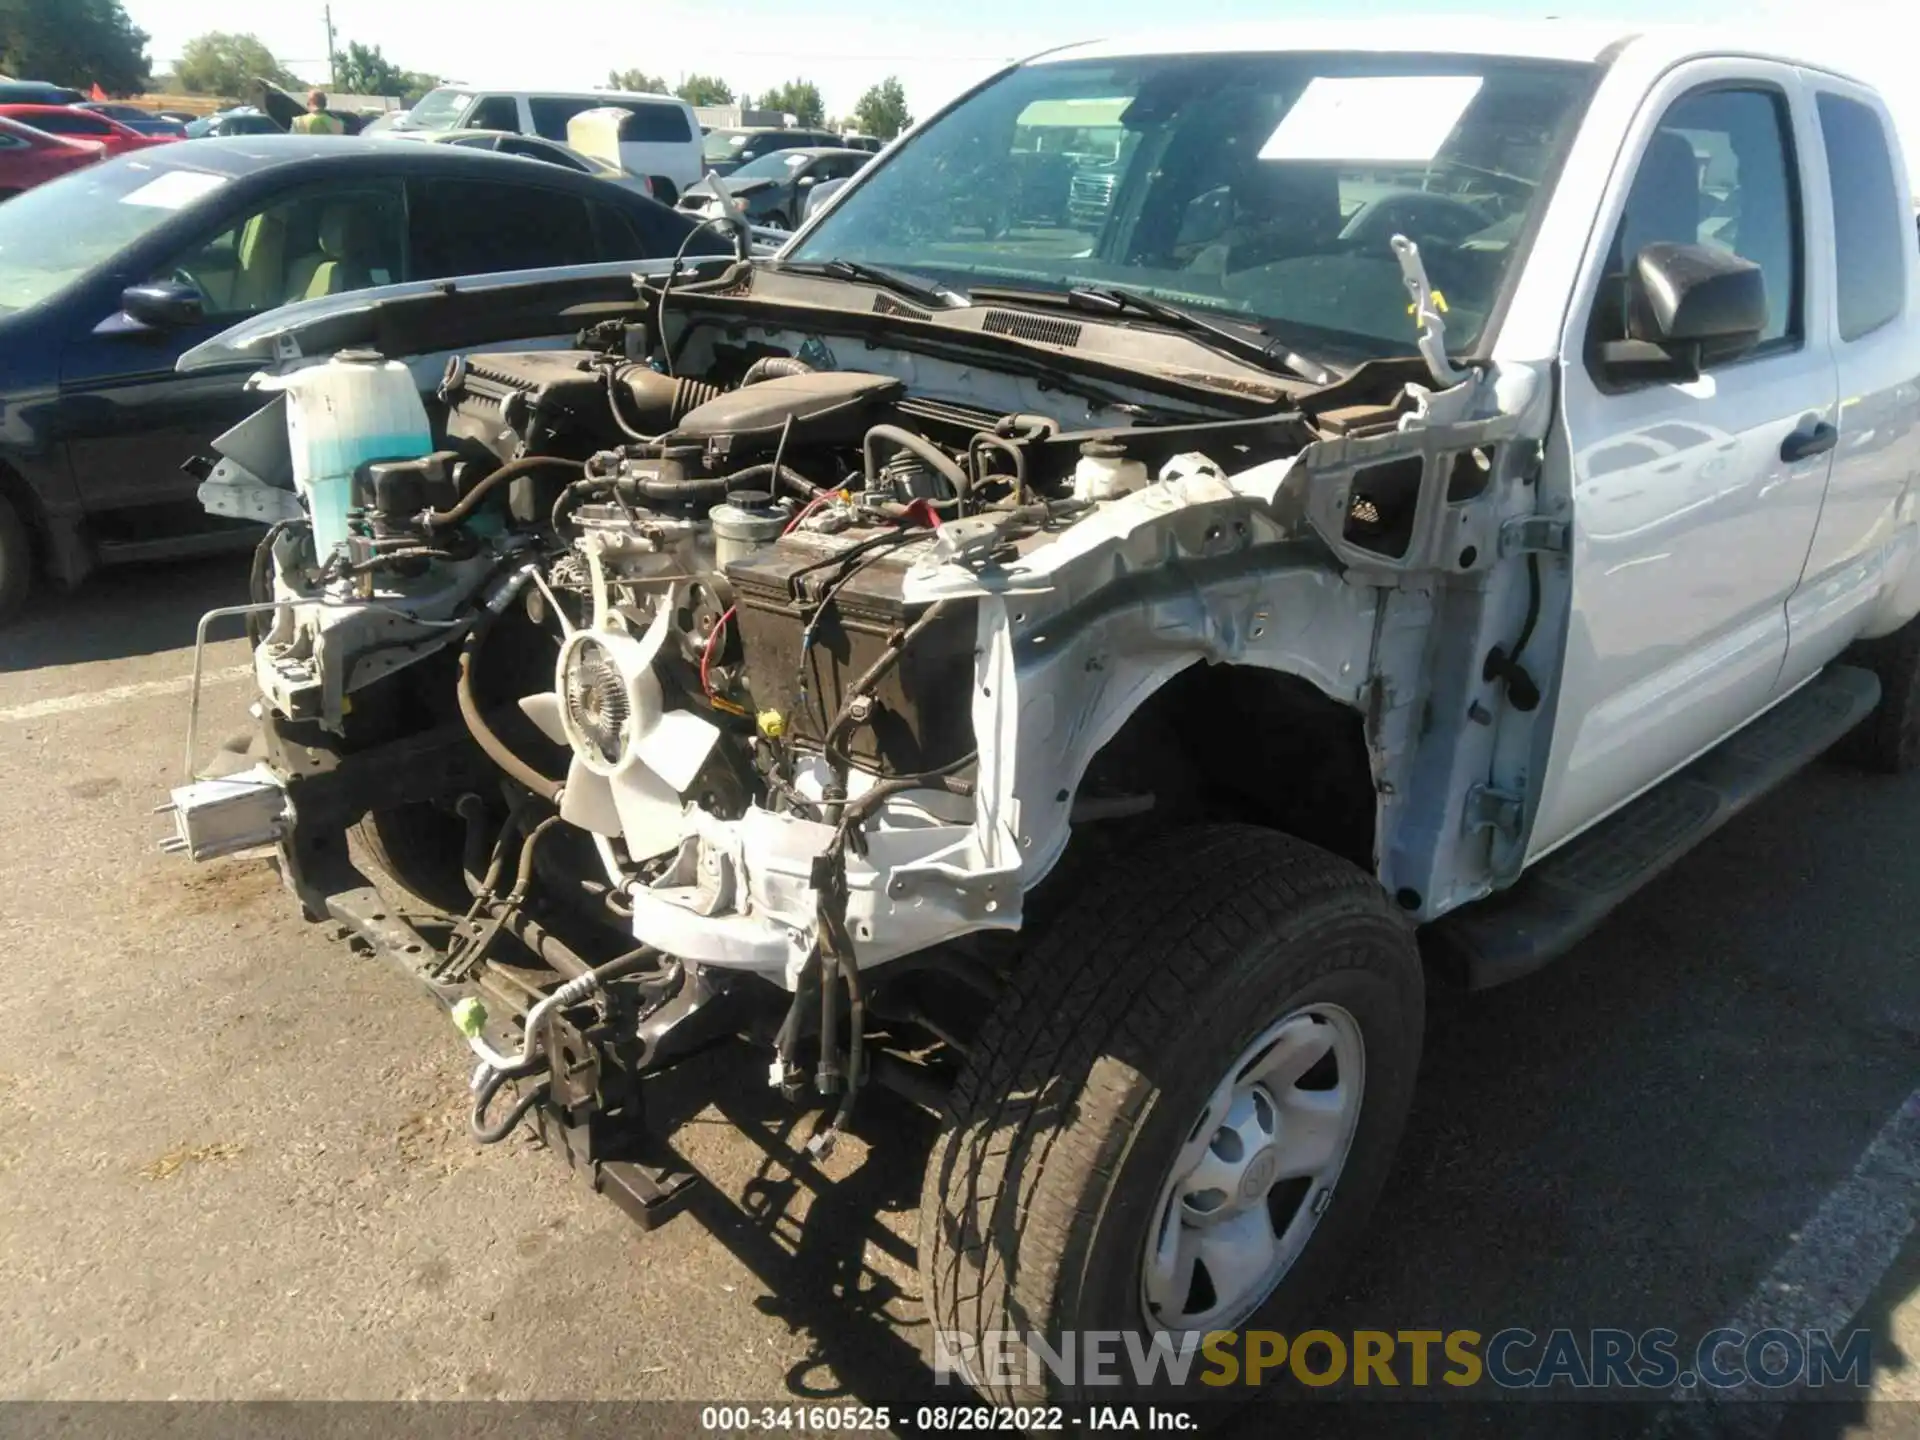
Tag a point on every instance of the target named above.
point(739, 678)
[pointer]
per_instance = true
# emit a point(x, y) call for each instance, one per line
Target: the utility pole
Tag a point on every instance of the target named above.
point(333, 76)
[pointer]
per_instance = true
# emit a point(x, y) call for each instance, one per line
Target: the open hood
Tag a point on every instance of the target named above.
point(284, 109)
point(422, 316)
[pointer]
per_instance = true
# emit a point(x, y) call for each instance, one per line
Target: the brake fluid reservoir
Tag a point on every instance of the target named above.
point(1105, 473)
point(355, 408)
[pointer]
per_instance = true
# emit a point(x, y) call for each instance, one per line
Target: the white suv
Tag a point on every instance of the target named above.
point(663, 141)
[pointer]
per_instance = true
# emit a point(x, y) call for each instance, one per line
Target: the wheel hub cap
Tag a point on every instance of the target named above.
point(1256, 1170)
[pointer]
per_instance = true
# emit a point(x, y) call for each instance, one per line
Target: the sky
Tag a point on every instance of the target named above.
point(936, 49)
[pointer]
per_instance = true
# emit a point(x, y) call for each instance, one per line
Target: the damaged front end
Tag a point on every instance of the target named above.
point(754, 680)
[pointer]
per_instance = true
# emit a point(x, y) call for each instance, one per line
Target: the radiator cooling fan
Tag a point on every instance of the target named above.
point(632, 757)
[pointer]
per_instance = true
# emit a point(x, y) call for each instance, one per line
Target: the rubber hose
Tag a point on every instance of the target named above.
point(925, 449)
point(512, 470)
point(493, 1134)
point(483, 736)
point(769, 366)
point(788, 476)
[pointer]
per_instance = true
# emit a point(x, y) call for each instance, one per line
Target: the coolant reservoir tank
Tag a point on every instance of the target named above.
point(1105, 472)
point(355, 408)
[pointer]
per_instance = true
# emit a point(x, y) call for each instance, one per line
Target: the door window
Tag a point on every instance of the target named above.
point(837, 167)
point(657, 124)
point(531, 149)
point(71, 122)
point(552, 114)
point(1869, 232)
point(494, 112)
point(482, 227)
point(1719, 171)
point(320, 242)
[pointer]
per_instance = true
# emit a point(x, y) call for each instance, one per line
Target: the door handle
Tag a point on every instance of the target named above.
point(1805, 444)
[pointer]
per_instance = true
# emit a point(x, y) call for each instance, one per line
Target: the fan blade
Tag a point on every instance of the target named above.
point(587, 800)
point(651, 643)
point(544, 711)
point(676, 746)
point(650, 815)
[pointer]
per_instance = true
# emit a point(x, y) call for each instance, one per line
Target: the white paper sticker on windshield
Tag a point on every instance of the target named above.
point(1390, 118)
point(174, 190)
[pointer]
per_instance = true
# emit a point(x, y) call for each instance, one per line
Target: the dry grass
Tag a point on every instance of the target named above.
point(183, 1155)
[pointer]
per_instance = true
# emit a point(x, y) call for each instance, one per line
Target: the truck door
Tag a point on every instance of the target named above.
point(1694, 500)
point(1867, 521)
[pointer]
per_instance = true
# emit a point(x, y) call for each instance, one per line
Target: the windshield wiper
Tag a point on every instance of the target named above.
point(901, 282)
point(1236, 342)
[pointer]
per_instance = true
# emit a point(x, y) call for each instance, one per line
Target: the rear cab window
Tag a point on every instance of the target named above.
point(1871, 237)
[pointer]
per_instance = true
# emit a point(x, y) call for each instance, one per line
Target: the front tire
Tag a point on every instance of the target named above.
point(1135, 1110)
point(16, 561)
point(418, 848)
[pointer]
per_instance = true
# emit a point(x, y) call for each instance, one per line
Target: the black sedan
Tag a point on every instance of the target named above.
point(774, 188)
point(107, 276)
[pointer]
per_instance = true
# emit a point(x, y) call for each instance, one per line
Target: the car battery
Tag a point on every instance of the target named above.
point(816, 611)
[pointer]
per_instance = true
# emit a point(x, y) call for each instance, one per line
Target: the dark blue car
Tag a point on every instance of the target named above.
point(109, 275)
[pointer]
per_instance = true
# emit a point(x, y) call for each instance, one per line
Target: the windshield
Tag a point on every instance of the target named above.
point(1264, 187)
point(725, 144)
point(54, 234)
point(437, 110)
point(774, 165)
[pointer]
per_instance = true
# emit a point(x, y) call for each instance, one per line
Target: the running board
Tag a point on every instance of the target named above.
point(1562, 899)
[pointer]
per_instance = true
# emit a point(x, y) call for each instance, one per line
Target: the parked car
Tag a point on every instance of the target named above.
point(35, 92)
point(872, 144)
point(77, 124)
point(283, 109)
point(240, 120)
point(664, 140)
point(529, 147)
point(1099, 794)
point(147, 122)
point(109, 275)
point(29, 157)
point(725, 151)
point(774, 188)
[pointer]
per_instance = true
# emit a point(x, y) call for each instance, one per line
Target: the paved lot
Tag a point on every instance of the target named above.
point(233, 1160)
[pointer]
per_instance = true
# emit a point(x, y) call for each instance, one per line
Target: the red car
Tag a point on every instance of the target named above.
point(72, 124)
point(29, 156)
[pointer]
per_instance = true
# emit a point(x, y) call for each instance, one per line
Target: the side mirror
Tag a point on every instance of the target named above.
point(1687, 306)
point(163, 304)
point(806, 180)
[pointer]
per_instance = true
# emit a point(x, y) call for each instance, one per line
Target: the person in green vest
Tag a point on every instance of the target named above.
point(316, 121)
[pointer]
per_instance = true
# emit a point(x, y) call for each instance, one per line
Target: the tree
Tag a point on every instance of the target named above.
point(79, 43)
point(364, 70)
point(705, 90)
point(798, 98)
point(638, 82)
point(219, 63)
point(882, 111)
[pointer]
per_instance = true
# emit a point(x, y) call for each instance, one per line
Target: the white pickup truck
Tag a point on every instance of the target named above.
point(1090, 667)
